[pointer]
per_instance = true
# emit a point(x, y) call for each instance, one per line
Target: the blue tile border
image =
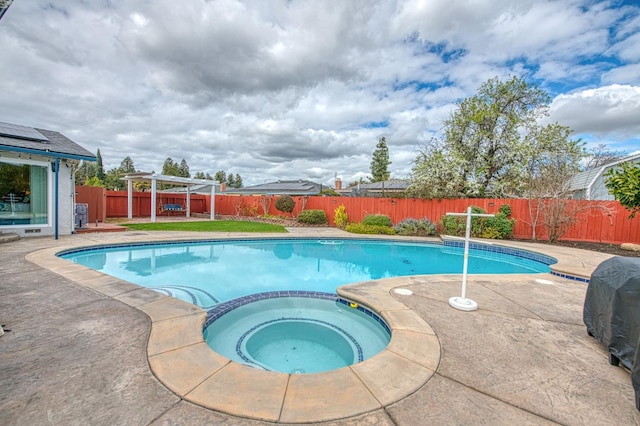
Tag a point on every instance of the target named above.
point(225, 307)
point(570, 277)
point(516, 252)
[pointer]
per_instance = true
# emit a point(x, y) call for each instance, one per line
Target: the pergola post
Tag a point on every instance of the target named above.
point(188, 201)
point(213, 202)
point(129, 198)
point(153, 199)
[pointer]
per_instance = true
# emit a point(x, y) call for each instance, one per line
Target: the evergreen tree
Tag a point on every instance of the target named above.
point(231, 182)
point(183, 169)
point(238, 181)
point(126, 166)
point(380, 162)
point(199, 175)
point(99, 167)
point(170, 168)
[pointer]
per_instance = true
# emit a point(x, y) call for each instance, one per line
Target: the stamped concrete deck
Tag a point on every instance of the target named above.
point(85, 348)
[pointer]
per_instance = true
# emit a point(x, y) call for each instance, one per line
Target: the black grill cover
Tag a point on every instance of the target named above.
point(612, 312)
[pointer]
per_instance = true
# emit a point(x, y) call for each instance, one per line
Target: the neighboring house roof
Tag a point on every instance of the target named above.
point(194, 189)
point(586, 184)
point(283, 187)
point(391, 185)
point(388, 187)
point(30, 140)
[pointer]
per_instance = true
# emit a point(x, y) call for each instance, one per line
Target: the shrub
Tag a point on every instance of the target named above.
point(500, 226)
point(361, 228)
point(456, 225)
point(496, 227)
point(285, 203)
point(505, 209)
point(422, 227)
point(340, 217)
point(377, 220)
point(312, 217)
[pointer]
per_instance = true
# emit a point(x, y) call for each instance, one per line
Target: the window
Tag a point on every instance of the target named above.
point(23, 194)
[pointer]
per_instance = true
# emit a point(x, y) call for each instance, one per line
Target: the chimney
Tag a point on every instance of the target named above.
point(223, 186)
point(338, 184)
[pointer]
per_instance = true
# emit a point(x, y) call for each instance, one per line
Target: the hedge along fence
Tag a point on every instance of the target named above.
point(600, 221)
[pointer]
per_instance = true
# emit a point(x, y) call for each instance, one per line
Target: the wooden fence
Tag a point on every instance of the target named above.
point(606, 222)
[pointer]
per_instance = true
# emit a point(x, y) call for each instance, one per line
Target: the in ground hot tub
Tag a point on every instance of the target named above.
point(295, 332)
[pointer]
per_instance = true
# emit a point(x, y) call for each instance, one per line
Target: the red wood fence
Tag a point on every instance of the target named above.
point(596, 221)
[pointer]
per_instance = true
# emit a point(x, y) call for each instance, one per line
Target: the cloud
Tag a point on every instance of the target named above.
point(604, 111)
point(275, 89)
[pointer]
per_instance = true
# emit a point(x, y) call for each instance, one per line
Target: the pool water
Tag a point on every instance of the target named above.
point(210, 272)
point(296, 335)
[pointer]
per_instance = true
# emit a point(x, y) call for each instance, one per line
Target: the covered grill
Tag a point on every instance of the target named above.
point(612, 313)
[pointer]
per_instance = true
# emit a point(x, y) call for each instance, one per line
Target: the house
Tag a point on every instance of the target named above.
point(281, 187)
point(589, 185)
point(37, 180)
point(387, 188)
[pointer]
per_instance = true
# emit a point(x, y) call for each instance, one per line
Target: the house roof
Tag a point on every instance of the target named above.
point(584, 181)
point(288, 187)
point(30, 140)
point(391, 184)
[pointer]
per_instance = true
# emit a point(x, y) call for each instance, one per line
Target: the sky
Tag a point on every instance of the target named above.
point(281, 90)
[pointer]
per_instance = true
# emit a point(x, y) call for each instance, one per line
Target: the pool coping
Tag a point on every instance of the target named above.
point(181, 360)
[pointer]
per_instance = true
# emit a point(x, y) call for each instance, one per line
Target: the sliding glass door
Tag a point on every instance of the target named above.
point(24, 193)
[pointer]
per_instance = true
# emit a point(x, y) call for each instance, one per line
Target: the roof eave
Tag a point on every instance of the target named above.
point(47, 153)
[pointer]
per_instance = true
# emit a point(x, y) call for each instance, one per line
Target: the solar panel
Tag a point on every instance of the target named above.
point(21, 132)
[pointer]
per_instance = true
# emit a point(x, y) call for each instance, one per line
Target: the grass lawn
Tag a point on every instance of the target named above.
point(207, 226)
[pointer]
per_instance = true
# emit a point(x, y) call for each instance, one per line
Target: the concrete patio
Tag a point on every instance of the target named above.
point(83, 349)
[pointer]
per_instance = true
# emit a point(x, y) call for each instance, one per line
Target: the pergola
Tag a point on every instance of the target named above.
point(154, 178)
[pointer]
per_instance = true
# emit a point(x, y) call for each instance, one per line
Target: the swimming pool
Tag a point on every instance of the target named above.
point(206, 273)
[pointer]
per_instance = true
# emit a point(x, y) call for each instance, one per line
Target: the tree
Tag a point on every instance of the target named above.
point(435, 174)
point(93, 181)
point(552, 159)
point(231, 181)
point(484, 144)
point(238, 181)
point(85, 173)
point(170, 168)
point(220, 176)
point(126, 166)
point(202, 175)
point(601, 155)
point(624, 184)
point(380, 162)
point(99, 167)
point(183, 169)
point(113, 180)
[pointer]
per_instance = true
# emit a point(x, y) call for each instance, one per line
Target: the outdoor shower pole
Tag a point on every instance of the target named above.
point(462, 303)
